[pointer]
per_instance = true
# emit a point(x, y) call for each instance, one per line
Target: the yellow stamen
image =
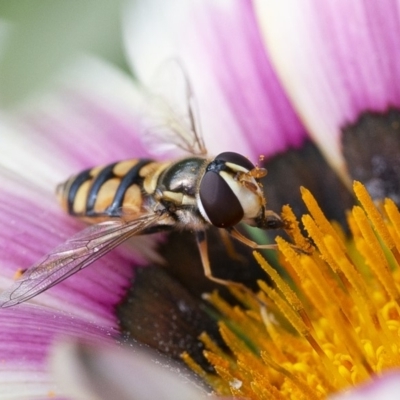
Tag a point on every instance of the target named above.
point(295, 232)
point(375, 217)
point(394, 216)
point(336, 325)
point(288, 293)
point(319, 216)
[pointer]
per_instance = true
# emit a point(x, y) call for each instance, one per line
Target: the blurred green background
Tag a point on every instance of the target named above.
point(38, 38)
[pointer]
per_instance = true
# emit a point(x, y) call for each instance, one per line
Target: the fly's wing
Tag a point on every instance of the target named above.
point(75, 254)
point(169, 117)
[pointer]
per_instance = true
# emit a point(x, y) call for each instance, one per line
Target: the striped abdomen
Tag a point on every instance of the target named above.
point(102, 192)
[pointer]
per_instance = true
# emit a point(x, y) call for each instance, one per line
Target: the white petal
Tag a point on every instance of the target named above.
point(386, 387)
point(86, 372)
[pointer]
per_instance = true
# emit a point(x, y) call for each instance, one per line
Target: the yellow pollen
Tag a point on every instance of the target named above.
point(332, 324)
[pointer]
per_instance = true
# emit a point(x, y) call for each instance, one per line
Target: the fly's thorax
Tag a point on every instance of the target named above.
point(104, 191)
point(179, 182)
point(229, 191)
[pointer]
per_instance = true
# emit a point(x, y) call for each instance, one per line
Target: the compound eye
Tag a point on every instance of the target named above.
point(235, 158)
point(221, 205)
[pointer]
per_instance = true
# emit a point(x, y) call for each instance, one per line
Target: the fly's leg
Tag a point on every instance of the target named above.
point(227, 240)
point(201, 239)
point(203, 249)
point(253, 245)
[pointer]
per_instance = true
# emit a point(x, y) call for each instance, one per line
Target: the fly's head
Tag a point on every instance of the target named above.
point(230, 192)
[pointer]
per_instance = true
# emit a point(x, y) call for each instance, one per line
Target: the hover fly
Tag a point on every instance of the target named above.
point(142, 196)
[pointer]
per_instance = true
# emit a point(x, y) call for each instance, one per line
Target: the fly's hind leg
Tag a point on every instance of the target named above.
point(230, 248)
point(201, 239)
point(202, 245)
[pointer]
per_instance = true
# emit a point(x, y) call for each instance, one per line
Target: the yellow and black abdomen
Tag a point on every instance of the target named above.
point(102, 192)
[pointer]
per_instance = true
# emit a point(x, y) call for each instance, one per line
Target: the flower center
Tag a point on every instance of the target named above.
point(371, 150)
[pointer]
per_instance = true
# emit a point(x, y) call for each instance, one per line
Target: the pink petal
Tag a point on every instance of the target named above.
point(32, 225)
point(242, 105)
point(25, 337)
point(336, 59)
point(62, 137)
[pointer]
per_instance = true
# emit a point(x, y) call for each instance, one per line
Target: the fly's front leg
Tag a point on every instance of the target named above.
point(201, 239)
point(253, 245)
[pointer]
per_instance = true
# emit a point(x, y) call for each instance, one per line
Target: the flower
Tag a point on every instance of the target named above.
point(268, 76)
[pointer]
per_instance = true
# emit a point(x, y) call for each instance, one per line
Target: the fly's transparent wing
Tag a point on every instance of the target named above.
point(75, 254)
point(169, 117)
